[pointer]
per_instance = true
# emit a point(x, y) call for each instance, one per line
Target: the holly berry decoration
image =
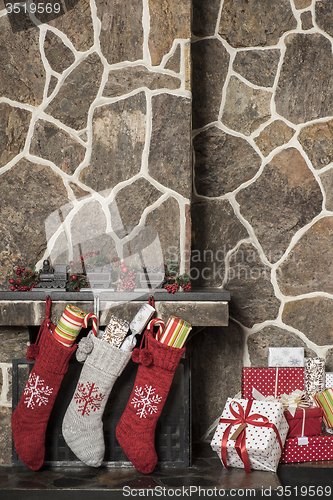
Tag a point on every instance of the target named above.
point(127, 278)
point(91, 260)
point(76, 282)
point(123, 268)
point(182, 281)
point(23, 279)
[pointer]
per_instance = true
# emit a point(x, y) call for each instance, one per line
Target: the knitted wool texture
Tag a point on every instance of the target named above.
point(136, 429)
point(82, 425)
point(30, 418)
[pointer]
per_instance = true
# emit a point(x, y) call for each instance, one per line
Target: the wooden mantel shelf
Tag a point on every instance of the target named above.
point(200, 307)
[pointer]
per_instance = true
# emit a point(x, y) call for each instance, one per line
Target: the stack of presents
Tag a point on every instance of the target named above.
point(284, 414)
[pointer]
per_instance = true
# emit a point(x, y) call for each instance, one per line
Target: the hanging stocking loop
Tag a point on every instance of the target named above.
point(33, 349)
point(48, 307)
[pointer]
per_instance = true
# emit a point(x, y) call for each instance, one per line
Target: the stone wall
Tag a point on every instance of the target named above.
point(95, 120)
point(262, 214)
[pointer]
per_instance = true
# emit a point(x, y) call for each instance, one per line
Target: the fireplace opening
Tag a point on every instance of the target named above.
point(173, 431)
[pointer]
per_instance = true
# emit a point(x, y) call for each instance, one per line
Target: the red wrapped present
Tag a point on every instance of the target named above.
point(272, 381)
point(306, 422)
point(308, 449)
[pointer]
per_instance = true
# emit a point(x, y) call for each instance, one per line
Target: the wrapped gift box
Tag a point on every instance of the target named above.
point(116, 331)
point(286, 356)
point(328, 380)
point(324, 400)
point(308, 449)
point(314, 375)
point(306, 422)
point(272, 381)
point(261, 442)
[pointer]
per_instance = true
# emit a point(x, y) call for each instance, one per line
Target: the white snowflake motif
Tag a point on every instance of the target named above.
point(36, 391)
point(279, 362)
point(145, 401)
point(87, 398)
point(295, 362)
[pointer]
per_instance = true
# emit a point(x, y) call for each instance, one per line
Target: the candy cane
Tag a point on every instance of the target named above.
point(94, 321)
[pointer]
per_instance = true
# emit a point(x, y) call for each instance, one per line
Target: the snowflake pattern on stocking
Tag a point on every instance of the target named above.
point(36, 392)
point(145, 401)
point(88, 398)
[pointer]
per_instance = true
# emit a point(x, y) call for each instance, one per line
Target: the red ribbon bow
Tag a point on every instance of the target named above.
point(243, 417)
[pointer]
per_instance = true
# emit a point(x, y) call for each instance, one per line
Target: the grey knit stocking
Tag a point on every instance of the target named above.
point(82, 426)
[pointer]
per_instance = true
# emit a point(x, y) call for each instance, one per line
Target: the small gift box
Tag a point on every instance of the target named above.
point(308, 449)
point(271, 381)
point(70, 324)
point(324, 400)
point(286, 356)
point(329, 380)
point(305, 422)
point(314, 375)
point(141, 319)
point(250, 434)
point(116, 331)
point(176, 332)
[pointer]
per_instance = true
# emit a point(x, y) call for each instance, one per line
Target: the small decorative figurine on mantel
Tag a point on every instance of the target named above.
point(46, 272)
point(50, 277)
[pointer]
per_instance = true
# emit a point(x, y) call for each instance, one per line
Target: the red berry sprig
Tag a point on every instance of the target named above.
point(16, 284)
point(127, 279)
point(187, 287)
point(19, 270)
point(172, 288)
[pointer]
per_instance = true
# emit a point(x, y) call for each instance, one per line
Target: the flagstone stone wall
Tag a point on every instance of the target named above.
point(262, 212)
point(95, 121)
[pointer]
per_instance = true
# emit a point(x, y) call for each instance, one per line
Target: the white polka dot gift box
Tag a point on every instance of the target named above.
point(272, 381)
point(250, 434)
point(329, 380)
point(308, 449)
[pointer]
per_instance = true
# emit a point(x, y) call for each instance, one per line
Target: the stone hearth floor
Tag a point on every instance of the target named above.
point(205, 478)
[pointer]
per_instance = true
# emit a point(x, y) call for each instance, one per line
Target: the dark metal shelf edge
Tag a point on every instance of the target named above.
point(196, 295)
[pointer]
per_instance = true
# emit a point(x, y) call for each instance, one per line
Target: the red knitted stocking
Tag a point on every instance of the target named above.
point(136, 429)
point(30, 418)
